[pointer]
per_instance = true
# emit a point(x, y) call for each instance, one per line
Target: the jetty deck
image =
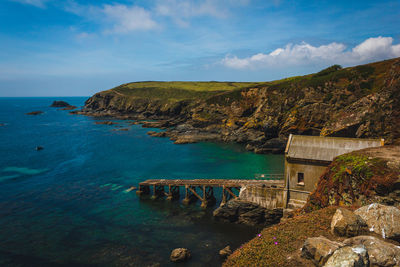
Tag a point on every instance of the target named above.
point(203, 189)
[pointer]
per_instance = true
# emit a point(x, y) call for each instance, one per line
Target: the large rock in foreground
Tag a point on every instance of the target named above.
point(346, 223)
point(381, 219)
point(244, 212)
point(180, 255)
point(356, 256)
point(319, 249)
point(380, 253)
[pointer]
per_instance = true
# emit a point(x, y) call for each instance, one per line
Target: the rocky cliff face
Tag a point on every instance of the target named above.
point(362, 101)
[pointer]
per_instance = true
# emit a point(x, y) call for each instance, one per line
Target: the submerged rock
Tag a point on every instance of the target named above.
point(35, 113)
point(225, 252)
point(157, 134)
point(180, 255)
point(381, 219)
point(105, 122)
point(346, 223)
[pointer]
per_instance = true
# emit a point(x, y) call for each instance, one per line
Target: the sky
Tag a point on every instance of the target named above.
point(80, 47)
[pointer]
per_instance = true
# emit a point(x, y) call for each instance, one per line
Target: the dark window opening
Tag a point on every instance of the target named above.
point(300, 178)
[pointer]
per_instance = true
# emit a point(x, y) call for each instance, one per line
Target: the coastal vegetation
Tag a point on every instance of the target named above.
point(361, 101)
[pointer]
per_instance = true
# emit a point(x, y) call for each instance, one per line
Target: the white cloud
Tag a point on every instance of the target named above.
point(379, 48)
point(115, 18)
point(128, 18)
point(37, 3)
point(182, 10)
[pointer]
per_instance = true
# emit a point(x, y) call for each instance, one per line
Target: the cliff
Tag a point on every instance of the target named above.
point(361, 101)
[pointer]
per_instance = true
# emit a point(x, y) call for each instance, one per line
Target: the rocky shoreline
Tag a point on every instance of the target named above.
point(361, 102)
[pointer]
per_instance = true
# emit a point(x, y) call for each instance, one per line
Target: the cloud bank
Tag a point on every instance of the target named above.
point(372, 49)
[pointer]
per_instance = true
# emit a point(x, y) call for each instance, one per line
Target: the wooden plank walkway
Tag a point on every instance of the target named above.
point(206, 187)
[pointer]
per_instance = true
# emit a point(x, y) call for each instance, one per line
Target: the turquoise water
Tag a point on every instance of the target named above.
point(67, 205)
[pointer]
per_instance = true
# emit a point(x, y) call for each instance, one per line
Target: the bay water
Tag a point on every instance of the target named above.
point(69, 204)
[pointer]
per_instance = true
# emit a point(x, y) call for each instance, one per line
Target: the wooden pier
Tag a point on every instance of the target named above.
point(201, 189)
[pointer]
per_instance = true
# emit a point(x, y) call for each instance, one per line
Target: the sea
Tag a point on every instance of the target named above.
point(69, 204)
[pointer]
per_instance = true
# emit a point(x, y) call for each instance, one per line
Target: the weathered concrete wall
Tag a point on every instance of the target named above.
point(311, 171)
point(266, 197)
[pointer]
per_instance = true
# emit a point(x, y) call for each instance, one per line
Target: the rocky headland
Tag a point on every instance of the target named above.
point(361, 101)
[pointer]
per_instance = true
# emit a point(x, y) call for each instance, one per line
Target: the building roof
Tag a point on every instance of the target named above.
point(320, 148)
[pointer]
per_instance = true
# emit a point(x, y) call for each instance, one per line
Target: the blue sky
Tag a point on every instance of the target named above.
point(79, 47)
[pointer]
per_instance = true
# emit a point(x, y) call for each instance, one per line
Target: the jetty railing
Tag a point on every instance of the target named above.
point(201, 189)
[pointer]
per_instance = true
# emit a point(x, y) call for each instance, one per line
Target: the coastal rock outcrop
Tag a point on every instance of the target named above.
point(60, 104)
point(346, 223)
point(381, 219)
point(361, 101)
point(180, 255)
point(244, 212)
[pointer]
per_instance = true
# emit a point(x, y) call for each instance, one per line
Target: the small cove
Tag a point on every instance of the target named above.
point(68, 205)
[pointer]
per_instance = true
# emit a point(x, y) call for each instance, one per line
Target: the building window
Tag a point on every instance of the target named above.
point(300, 178)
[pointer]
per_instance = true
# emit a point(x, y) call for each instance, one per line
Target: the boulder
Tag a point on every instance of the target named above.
point(346, 223)
point(252, 217)
point(273, 216)
point(225, 252)
point(244, 212)
point(319, 249)
point(380, 253)
point(381, 219)
point(356, 256)
point(60, 104)
point(180, 255)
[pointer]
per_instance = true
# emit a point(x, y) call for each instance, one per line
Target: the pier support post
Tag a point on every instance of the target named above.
point(189, 196)
point(173, 193)
point(158, 191)
point(143, 190)
point(208, 197)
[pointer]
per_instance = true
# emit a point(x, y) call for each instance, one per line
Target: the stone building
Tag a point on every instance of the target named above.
point(306, 158)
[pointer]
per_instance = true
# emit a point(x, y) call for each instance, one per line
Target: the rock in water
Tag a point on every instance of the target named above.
point(356, 256)
point(245, 212)
point(35, 112)
point(180, 255)
point(380, 253)
point(319, 249)
point(60, 104)
point(346, 223)
point(225, 252)
point(381, 219)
